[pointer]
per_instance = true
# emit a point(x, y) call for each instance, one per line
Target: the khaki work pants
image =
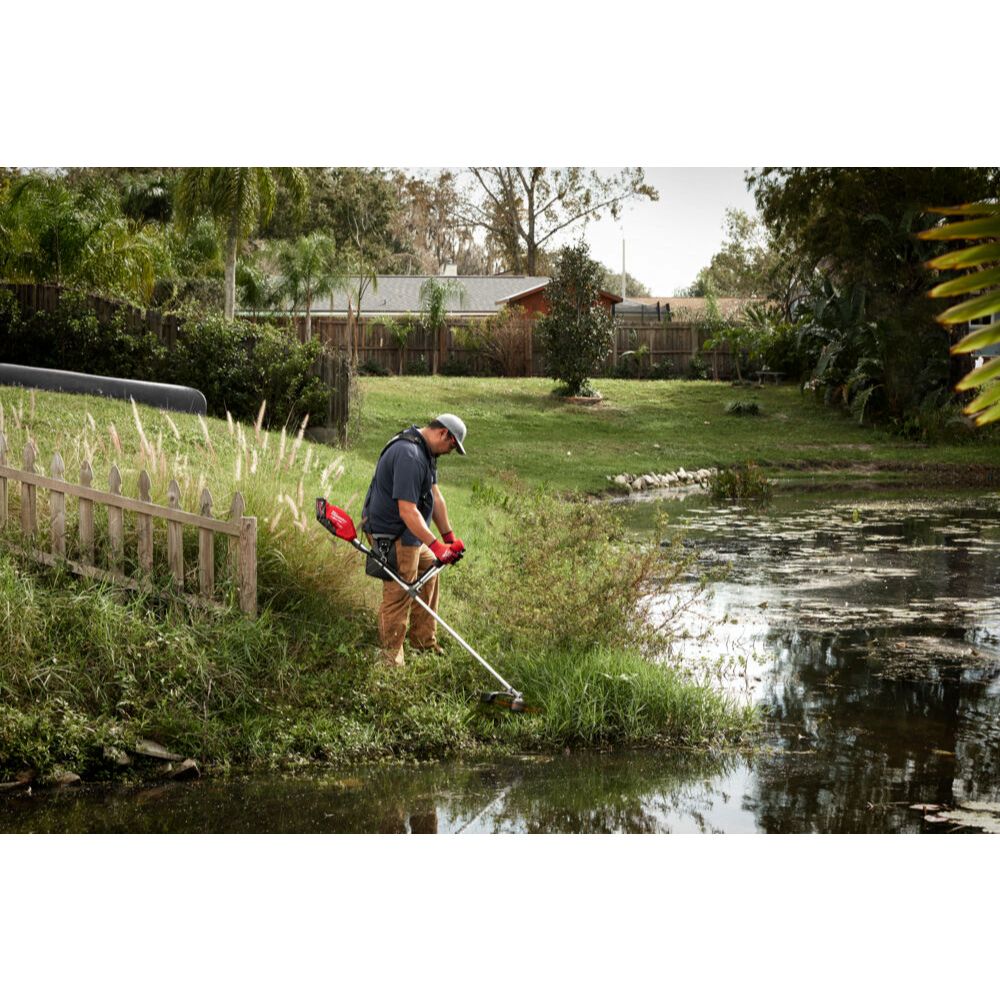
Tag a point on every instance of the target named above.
point(397, 606)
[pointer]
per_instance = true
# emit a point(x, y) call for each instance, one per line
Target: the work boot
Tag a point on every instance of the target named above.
point(435, 650)
point(393, 658)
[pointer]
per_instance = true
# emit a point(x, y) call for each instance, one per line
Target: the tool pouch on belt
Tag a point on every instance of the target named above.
point(385, 546)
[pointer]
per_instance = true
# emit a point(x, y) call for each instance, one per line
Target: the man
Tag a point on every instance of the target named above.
point(402, 500)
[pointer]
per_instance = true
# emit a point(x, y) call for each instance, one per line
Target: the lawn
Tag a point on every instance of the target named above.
point(547, 592)
point(516, 425)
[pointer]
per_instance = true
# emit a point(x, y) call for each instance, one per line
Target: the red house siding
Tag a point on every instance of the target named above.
point(537, 301)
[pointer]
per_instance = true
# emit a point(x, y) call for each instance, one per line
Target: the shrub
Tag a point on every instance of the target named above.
point(740, 482)
point(237, 364)
point(577, 333)
point(743, 408)
point(418, 366)
point(455, 367)
point(371, 367)
point(71, 337)
point(698, 369)
point(662, 370)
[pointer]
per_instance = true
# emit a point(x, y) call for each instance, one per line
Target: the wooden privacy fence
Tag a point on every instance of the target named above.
point(677, 343)
point(240, 529)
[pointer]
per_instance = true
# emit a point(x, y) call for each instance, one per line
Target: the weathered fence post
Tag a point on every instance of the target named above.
point(247, 576)
point(3, 482)
point(116, 522)
point(206, 549)
point(235, 513)
point(243, 555)
point(87, 517)
point(57, 510)
point(29, 520)
point(175, 536)
point(145, 526)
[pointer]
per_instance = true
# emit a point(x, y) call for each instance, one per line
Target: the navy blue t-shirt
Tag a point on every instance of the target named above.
point(404, 472)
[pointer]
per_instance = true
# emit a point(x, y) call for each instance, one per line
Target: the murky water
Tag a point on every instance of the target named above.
point(867, 629)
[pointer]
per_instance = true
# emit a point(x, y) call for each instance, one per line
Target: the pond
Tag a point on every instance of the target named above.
point(866, 627)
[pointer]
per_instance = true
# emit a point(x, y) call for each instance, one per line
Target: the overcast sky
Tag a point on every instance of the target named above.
point(668, 241)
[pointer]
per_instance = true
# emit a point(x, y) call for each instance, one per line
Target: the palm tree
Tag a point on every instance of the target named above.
point(309, 267)
point(52, 233)
point(434, 298)
point(981, 222)
point(239, 199)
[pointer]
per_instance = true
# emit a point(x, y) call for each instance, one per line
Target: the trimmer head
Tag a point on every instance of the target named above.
point(511, 700)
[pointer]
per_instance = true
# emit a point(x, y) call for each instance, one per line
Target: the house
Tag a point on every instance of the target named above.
point(481, 296)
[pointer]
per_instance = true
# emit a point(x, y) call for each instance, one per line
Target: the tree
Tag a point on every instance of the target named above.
point(361, 206)
point(577, 331)
point(854, 228)
point(981, 222)
point(428, 222)
point(523, 208)
point(49, 232)
point(239, 200)
point(309, 267)
point(434, 298)
point(750, 264)
point(611, 281)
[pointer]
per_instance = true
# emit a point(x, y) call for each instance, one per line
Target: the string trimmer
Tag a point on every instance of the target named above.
point(339, 524)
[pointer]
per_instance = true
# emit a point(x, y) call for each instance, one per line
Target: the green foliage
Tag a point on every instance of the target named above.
point(698, 370)
point(743, 408)
point(853, 229)
point(372, 367)
point(52, 233)
point(743, 481)
point(238, 364)
point(399, 330)
point(982, 223)
point(72, 338)
point(752, 262)
point(456, 367)
point(577, 333)
point(238, 200)
point(418, 366)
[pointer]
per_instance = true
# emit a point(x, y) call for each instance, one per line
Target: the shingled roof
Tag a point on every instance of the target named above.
point(400, 293)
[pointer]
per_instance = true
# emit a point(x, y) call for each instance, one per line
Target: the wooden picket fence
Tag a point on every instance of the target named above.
point(240, 529)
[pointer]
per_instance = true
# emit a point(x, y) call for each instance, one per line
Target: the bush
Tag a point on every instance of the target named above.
point(662, 370)
point(371, 367)
point(740, 482)
point(698, 369)
point(577, 334)
point(237, 364)
point(71, 337)
point(456, 367)
point(418, 366)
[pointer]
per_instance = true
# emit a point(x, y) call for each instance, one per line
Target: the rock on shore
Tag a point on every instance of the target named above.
point(682, 479)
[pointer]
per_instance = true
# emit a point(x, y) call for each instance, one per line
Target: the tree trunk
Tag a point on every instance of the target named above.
point(232, 240)
point(308, 318)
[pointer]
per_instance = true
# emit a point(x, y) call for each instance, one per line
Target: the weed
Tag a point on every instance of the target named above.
point(743, 408)
point(740, 482)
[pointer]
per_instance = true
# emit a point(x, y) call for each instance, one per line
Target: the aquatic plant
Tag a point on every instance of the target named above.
point(744, 481)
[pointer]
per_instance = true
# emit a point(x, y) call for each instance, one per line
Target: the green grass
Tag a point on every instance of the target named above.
point(517, 425)
point(547, 592)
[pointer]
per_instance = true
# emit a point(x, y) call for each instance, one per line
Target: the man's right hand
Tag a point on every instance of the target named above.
point(446, 554)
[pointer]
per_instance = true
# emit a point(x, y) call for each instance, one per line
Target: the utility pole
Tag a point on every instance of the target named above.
point(623, 264)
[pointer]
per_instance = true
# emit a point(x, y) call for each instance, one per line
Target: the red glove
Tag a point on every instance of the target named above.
point(446, 554)
point(449, 539)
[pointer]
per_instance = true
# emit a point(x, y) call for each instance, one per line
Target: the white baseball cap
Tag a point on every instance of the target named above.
point(456, 427)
